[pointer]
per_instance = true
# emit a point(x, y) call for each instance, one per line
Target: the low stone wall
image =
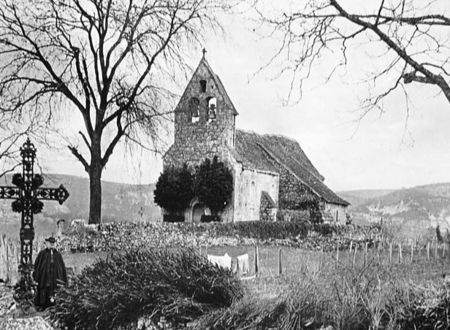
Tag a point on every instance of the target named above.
point(127, 235)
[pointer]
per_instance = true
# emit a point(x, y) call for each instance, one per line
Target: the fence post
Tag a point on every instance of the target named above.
point(354, 256)
point(428, 251)
point(3, 259)
point(337, 255)
point(436, 250)
point(256, 260)
point(378, 254)
point(412, 251)
point(390, 253)
point(280, 267)
point(419, 248)
point(400, 256)
point(365, 254)
point(351, 245)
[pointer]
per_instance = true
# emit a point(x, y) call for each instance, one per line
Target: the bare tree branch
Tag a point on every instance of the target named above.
point(417, 35)
point(107, 60)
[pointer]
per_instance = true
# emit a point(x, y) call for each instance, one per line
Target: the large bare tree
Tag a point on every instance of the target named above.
point(409, 40)
point(107, 60)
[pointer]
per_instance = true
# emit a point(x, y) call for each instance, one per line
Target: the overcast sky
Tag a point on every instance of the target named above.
point(394, 149)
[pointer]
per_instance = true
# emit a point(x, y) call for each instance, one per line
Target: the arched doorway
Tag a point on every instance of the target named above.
point(197, 211)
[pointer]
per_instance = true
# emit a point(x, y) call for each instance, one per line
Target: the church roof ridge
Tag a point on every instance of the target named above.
point(253, 148)
point(269, 135)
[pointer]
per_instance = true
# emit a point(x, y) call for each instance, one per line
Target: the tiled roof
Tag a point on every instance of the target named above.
point(261, 151)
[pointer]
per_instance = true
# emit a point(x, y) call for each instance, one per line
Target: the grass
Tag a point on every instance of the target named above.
point(297, 263)
point(351, 293)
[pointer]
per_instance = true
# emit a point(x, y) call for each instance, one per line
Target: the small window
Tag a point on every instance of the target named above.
point(212, 109)
point(202, 86)
point(193, 109)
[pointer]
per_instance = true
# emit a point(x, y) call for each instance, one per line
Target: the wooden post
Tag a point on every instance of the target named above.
point(412, 251)
point(419, 248)
point(337, 255)
point(400, 256)
point(390, 253)
point(428, 251)
point(280, 267)
point(256, 260)
point(365, 254)
point(378, 254)
point(436, 250)
point(2, 259)
point(354, 256)
point(351, 245)
point(443, 250)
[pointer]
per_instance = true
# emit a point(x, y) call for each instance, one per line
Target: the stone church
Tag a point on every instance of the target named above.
point(271, 172)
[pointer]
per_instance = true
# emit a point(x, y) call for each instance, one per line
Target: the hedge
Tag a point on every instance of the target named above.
point(178, 285)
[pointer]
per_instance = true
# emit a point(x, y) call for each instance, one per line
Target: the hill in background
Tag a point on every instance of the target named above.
point(358, 197)
point(421, 206)
point(121, 202)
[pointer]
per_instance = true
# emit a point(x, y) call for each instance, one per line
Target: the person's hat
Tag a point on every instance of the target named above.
point(51, 240)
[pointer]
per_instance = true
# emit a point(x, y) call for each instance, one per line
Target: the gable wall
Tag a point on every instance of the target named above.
point(248, 186)
point(195, 141)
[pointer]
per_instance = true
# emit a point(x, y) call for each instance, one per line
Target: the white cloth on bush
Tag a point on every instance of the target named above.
point(222, 261)
point(242, 264)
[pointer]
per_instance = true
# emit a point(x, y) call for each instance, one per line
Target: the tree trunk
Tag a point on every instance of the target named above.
point(95, 176)
point(95, 201)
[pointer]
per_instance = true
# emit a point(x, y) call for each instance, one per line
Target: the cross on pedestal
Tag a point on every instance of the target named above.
point(28, 196)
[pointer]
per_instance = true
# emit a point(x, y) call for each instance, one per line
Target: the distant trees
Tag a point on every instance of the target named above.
point(107, 61)
point(211, 183)
point(405, 40)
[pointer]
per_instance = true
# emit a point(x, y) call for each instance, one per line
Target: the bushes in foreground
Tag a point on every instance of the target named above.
point(354, 300)
point(179, 285)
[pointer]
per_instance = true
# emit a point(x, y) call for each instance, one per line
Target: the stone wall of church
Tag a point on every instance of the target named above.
point(204, 137)
point(292, 191)
point(334, 213)
point(248, 185)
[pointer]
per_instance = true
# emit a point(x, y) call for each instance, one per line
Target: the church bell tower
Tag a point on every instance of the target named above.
point(204, 120)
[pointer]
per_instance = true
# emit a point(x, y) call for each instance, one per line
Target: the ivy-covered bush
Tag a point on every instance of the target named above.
point(174, 189)
point(179, 285)
point(173, 218)
point(214, 185)
point(210, 218)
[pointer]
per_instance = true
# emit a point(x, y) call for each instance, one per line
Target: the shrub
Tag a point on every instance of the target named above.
point(300, 307)
point(174, 189)
point(210, 218)
point(414, 307)
point(325, 229)
point(214, 184)
point(173, 218)
point(179, 285)
point(293, 215)
point(263, 230)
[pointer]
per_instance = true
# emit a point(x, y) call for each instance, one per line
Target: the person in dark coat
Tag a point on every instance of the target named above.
point(49, 273)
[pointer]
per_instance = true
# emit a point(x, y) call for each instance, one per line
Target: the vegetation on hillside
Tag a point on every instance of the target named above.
point(418, 203)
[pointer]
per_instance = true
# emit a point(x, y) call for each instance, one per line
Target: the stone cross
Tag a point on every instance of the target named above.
point(28, 196)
